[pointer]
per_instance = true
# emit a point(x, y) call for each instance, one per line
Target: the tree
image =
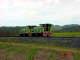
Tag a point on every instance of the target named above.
point(71, 28)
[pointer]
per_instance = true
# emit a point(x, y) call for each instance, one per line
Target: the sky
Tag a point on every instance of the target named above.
point(34, 12)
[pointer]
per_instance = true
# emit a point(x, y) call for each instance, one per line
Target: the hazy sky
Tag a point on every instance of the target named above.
point(27, 12)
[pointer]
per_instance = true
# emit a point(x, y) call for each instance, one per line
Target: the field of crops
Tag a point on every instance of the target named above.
point(32, 51)
point(66, 34)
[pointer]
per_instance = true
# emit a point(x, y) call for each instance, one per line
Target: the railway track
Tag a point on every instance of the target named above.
point(60, 41)
point(46, 38)
point(43, 38)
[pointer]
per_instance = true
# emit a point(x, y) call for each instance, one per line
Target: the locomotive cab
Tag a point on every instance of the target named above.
point(47, 28)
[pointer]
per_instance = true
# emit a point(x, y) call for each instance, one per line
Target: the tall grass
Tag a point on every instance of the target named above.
point(30, 50)
point(66, 34)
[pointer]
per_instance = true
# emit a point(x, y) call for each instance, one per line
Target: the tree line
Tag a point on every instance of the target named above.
point(15, 31)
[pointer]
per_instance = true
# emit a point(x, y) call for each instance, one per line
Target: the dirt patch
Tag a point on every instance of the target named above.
point(17, 56)
point(42, 55)
point(2, 54)
point(64, 55)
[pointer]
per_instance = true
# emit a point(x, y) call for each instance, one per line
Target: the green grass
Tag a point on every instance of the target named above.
point(77, 56)
point(66, 34)
point(30, 50)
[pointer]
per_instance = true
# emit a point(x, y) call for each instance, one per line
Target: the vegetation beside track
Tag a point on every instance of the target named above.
point(66, 34)
point(29, 51)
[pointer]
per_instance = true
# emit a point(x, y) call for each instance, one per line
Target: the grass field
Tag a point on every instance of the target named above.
point(32, 51)
point(66, 34)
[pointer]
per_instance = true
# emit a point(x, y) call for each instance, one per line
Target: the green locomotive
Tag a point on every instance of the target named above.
point(44, 31)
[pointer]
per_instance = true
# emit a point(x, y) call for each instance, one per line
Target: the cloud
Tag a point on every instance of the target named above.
point(56, 11)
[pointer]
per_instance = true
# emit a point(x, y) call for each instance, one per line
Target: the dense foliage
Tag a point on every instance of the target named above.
point(67, 28)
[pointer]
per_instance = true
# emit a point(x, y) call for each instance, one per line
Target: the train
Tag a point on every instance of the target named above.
point(45, 33)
